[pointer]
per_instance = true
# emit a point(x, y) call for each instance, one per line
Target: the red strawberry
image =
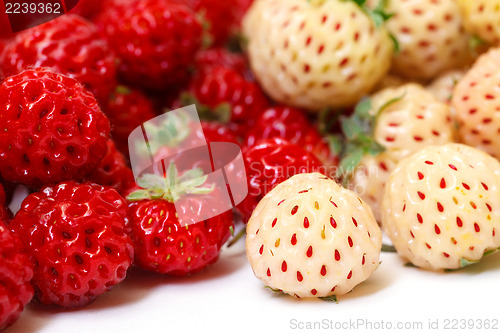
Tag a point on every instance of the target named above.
point(113, 171)
point(52, 129)
point(292, 125)
point(271, 162)
point(68, 45)
point(76, 235)
point(127, 109)
point(216, 132)
point(16, 271)
point(189, 136)
point(5, 213)
point(156, 40)
point(226, 95)
point(223, 17)
point(161, 244)
point(209, 59)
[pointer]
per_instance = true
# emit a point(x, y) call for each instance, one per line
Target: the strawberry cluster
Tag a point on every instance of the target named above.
point(353, 118)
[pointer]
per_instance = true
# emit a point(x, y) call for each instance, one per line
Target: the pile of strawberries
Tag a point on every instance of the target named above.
point(353, 117)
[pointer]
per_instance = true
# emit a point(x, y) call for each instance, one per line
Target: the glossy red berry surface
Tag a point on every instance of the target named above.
point(162, 245)
point(69, 45)
point(113, 171)
point(292, 125)
point(271, 162)
point(16, 271)
point(5, 213)
point(222, 17)
point(51, 129)
point(127, 109)
point(156, 40)
point(226, 88)
point(209, 59)
point(76, 236)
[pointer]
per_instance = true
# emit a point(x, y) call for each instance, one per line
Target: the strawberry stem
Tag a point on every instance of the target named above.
point(238, 236)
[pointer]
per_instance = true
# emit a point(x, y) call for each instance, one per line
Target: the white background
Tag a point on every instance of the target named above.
point(228, 298)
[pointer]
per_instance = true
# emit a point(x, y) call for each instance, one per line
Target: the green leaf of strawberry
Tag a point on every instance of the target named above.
point(221, 114)
point(358, 130)
point(332, 298)
point(170, 133)
point(171, 187)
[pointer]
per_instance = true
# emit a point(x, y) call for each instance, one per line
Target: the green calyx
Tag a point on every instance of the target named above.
point(388, 248)
point(465, 262)
point(358, 130)
point(170, 133)
point(221, 113)
point(379, 16)
point(171, 187)
point(332, 298)
point(278, 292)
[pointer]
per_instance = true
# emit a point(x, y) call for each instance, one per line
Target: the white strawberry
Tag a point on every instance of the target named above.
point(406, 119)
point(476, 99)
point(442, 87)
point(441, 206)
point(316, 54)
point(482, 19)
point(310, 237)
point(431, 37)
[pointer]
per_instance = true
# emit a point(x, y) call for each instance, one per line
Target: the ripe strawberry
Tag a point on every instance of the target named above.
point(476, 101)
point(223, 18)
point(271, 162)
point(5, 213)
point(442, 206)
point(442, 87)
point(161, 244)
point(76, 235)
point(431, 37)
point(310, 237)
point(185, 135)
point(68, 45)
point(209, 59)
point(113, 171)
point(405, 120)
point(226, 95)
point(127, 109)
point(52, 129)
point(292, 125)
point(481, 19)
point(316, 54)
point(15, 275)
point(156, 40)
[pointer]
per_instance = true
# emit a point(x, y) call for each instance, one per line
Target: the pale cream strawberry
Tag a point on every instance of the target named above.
point(482, 19)
point(415, 119)
point(476, 99)
point(431, 37)
point(442, 87)
point(310, 237)
point(369, 179)
point(316, 54)
point(441, 207)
